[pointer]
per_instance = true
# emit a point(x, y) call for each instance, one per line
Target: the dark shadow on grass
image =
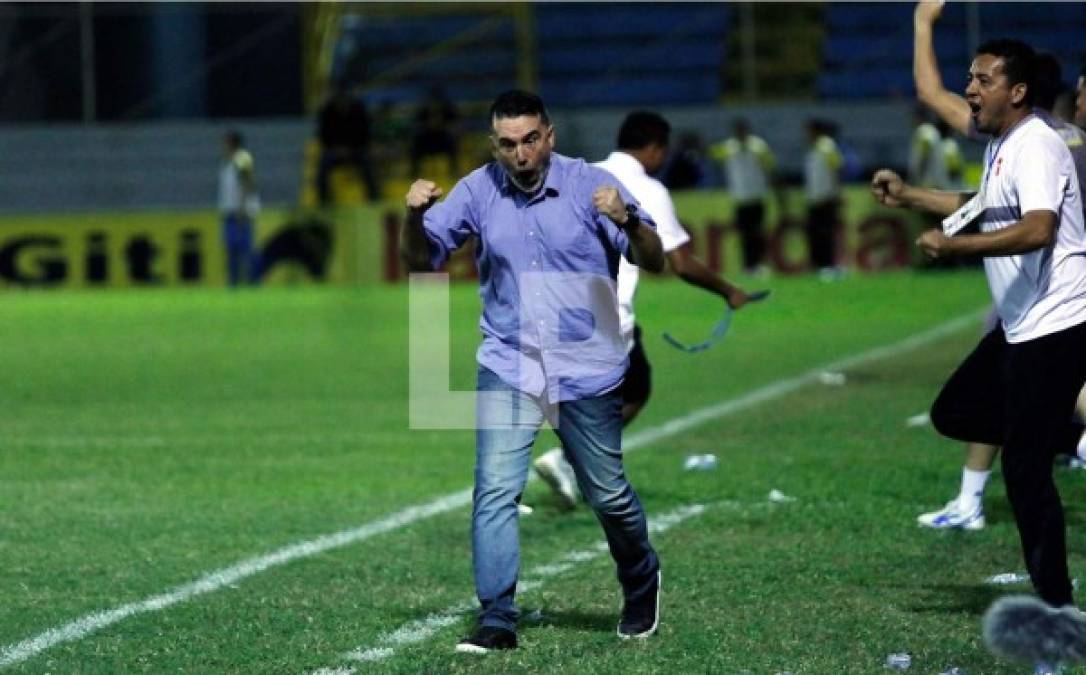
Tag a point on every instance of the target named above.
point(957, 598)
point(589, 622)
point(997, 511)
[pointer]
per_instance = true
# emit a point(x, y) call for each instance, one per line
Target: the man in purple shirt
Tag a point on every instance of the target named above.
point(549, 232)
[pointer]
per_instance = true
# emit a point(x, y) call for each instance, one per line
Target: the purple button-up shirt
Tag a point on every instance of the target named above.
point(547, 265)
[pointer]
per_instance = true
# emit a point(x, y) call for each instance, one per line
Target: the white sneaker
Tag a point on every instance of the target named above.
point(950, 516)
point(556, 472)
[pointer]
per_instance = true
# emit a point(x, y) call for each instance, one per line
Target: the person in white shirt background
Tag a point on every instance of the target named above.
point(239, 205)
point(643, 142)
point(748, 165)
point(822, 188)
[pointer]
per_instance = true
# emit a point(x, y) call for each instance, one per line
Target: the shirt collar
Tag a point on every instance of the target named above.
point(551, 184)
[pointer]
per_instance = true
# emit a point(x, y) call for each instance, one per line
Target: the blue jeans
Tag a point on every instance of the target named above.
point(237, 234)
point(591, 433)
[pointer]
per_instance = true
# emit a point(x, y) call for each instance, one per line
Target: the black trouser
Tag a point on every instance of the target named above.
point(1022, 396)
point(822, 233)
point(750, 218)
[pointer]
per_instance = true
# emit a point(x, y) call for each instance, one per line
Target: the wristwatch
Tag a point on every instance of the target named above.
point(632, 219)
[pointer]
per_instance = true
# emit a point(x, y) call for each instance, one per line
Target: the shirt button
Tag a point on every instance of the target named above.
point(531, 234)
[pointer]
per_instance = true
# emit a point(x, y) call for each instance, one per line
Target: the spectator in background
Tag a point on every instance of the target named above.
point(684, 170)
point(953, 161)
point(926, 168)
point(343, 128)
point(239, 205)
point(822, 188)
point(391, 129)
point(748, 164)
point(436, 131)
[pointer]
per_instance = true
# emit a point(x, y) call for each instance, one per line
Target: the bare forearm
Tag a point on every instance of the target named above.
point(645, 248)
point(939, 202)
point(692, 271)
point(952, 108)
point(1022, 237)
point(413, 246)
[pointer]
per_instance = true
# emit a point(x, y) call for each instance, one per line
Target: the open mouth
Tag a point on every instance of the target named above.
point(974, 108)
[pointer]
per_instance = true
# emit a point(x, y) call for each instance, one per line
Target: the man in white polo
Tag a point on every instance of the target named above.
point(1018, 387)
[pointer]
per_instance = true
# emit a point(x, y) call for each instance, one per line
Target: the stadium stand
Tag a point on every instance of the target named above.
point(868, 48)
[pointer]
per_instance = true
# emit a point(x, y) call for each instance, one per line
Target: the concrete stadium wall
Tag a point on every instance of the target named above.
point(66, 168)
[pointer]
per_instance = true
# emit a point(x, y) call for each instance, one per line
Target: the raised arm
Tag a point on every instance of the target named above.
point(414, 249)
point(951, 107)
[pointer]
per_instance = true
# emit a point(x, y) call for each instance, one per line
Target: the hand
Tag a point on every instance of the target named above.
point(737, 297)
point(934, 244)
point(422, 195)
point(928, 11)
point(888, 188)
point(608, 201)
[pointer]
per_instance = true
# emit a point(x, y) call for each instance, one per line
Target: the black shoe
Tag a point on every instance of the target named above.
point(640, 618)
point(487, 639)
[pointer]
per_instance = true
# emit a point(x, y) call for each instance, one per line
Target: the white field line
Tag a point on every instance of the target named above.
point(417, 631)
point(217, 579)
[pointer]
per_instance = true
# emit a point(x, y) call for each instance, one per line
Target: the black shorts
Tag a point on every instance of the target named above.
point(638, 383)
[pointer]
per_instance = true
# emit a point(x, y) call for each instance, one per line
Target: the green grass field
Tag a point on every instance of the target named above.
point(150, 438)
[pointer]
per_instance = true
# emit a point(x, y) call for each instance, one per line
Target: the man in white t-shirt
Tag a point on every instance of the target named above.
point(1018, 387)
point(642, 149)
point(966, 511)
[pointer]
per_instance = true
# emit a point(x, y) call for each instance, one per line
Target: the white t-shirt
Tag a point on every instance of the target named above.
point(656, 201)
point(230, 187)
point(821, 170)
point(926, 167)
point(1044, 291)
point(747, 163)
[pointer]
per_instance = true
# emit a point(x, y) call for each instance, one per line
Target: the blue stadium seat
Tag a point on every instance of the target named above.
point(577, 21)
point(648, 91)
point(585, 59)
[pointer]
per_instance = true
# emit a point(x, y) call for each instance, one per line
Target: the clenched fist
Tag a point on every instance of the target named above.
point(608, 201)
point(927, 11)
point(422, 195)
point(934, 244)
point(887, 187)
